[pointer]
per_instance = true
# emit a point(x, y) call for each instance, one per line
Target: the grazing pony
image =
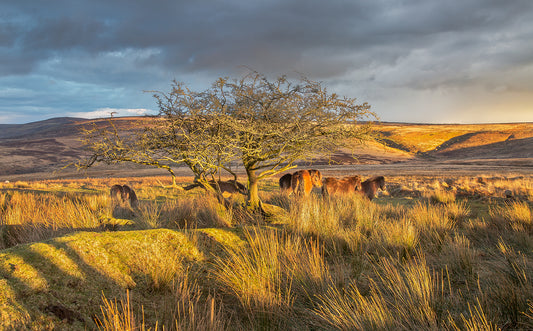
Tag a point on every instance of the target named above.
point(370, 186)
point(285, 184)
point(130, 194)
point(303, 181)
point(229, 186)
point(345, 185)
point(123, 193)
point(117, 192)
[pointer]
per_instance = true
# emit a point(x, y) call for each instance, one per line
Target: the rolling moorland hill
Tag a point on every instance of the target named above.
point(431, 252)
point(42, 149)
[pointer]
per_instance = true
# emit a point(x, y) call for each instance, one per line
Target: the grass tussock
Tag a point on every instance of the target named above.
point(119, 316)
point(475, 320)
point(400, 297)
point(191, 310)
point(459, 256)
point(184, 309)
point(269, 274)
point(516, 215)
point(441, 196)
point(195, 212)
point(433, 222)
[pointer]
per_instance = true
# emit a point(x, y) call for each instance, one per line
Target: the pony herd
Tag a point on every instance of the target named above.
point(301, 183)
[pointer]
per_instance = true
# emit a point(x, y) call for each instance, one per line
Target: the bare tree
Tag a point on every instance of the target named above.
point(266, 126)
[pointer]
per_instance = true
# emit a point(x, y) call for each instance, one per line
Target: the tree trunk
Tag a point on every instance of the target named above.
point(253, 190)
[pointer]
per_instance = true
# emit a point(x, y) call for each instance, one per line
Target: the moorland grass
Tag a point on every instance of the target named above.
point(183, 262)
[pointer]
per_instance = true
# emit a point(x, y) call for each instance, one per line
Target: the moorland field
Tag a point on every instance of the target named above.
point(448, 245)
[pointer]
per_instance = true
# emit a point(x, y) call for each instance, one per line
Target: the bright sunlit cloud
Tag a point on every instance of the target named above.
point(108, 112)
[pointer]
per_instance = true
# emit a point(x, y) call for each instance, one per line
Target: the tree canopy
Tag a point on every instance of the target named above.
point(263, 125)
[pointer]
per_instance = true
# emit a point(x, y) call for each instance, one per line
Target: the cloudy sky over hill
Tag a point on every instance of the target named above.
point(458, 61)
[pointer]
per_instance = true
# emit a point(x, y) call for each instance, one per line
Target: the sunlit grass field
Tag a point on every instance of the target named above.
point(429, 253)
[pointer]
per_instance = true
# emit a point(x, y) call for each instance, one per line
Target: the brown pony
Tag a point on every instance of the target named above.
point(285, 184)
point(370, 186)
point(130, 194)
point(117, 193)
point(303, 181)
point(345, 185)
point(229, 186)
point(123, 193)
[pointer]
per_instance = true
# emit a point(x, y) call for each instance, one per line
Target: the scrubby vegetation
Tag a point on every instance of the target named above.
point(430, 253)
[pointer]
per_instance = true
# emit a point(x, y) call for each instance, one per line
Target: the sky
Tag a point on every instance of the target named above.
point(423, 61)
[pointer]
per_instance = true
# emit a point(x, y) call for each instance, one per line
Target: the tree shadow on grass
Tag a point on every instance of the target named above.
point(54, 284)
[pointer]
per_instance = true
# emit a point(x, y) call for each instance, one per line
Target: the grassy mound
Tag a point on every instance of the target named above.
point(60, 282)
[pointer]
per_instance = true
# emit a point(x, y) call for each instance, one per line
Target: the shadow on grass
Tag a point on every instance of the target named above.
point(53, 285)
point(59, 283)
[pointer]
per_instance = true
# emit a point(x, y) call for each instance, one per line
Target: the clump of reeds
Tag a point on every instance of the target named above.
point(150, 215)
point(440, 196)
point(271, 273)
point(317, 217)
point(459, 256)
point(401, 297)
point(185, 309)
point(458, 211)
point(197, 212)
point(516, 215)
point(188, 308)
point(509, 288)
point(194, 212)
point(401, 236)
point(432, 222)
point(476, 320)
point(119, 316)
point(337, 221)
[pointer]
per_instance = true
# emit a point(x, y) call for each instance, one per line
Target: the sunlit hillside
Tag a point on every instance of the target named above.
point(460, 140)
point(43, 149)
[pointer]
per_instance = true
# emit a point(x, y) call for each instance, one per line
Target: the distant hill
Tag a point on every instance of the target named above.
point(51, 127)
point(47, 146)
point(44, 146)
point(461, 141)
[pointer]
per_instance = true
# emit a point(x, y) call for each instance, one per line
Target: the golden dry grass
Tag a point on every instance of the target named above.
point(430, 253)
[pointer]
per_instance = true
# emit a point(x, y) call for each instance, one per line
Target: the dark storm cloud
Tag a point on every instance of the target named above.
point(412, 44)
point(218, 35)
